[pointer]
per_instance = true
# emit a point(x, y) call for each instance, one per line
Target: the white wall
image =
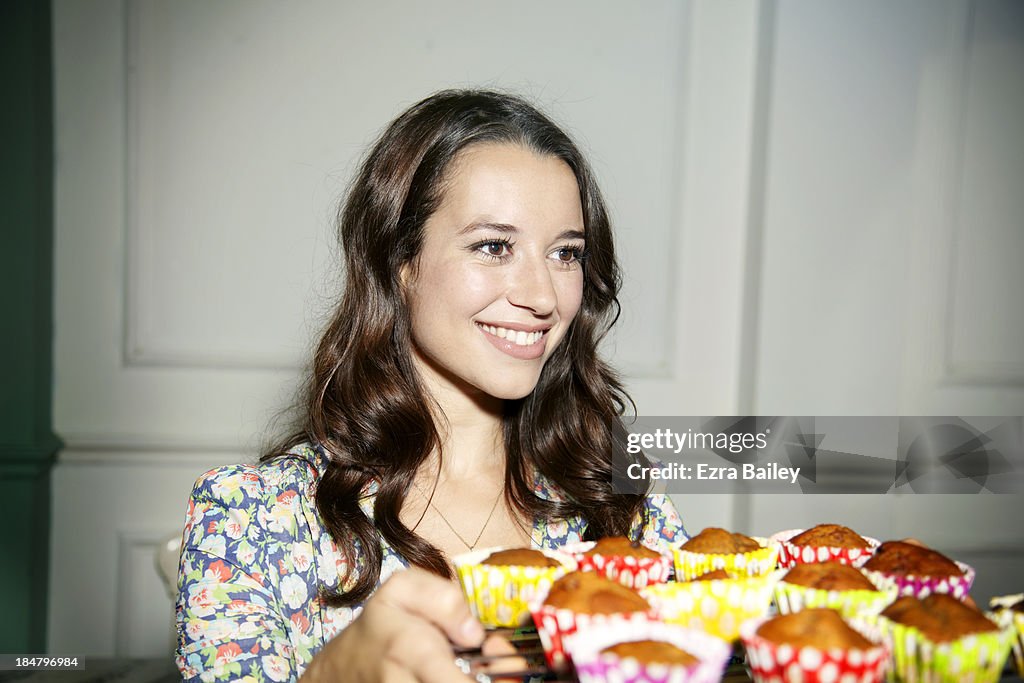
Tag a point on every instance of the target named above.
point(811, 202)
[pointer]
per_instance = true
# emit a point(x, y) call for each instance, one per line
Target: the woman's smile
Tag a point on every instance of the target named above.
point(518, 343)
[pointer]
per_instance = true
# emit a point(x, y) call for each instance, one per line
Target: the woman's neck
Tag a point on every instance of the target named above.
point(470, 426)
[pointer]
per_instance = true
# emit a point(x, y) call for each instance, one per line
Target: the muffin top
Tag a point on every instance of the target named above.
point(720, 542)
point(520, 557)
point(829, 576)
point(621, 546)
point(819, 627)
point(940, 617)
point(829, 535)
point(713, 575)
point(591, 593)
point(653, 652)
point(897, 557)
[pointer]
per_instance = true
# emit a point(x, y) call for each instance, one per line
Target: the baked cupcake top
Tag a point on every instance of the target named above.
point(940, 617)
point(653, 652)
point(713, 575)
point(897, 557)
point(591, 593)
point(818, 627)
point(714, 540)
point(830, 535)
point(829, 576)
point(520, 557)
point(621, 546)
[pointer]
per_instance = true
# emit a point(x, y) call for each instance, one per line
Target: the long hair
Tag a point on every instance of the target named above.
point(366, 406)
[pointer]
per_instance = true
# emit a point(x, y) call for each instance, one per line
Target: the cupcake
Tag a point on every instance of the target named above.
point(582, 599)
point(648, 652)
point(939, 638)
point(1008, 612)
point(823, 543)
point(715, 605)
point(501, 583)
point(919, 571)
point(715, 548)
point(620, 559)
point(814, 645)
point(838, 586)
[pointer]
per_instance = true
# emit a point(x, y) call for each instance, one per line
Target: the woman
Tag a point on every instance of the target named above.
point(456, 401)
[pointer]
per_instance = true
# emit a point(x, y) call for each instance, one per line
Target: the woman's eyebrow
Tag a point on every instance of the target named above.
point(506, 228)
point(499, 227)
point(571, 235)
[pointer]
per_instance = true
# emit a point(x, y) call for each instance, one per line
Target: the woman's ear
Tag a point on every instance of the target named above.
point(407, 277)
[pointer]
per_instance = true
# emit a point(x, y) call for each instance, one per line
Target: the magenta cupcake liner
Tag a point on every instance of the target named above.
point(790, 554)
point(632, 572)
point(593, 666)
point(923, 586)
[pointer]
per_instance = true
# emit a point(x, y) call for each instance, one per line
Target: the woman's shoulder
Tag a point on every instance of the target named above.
point(297, 470)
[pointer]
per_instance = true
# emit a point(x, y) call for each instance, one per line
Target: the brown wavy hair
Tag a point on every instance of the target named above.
point(366, 406)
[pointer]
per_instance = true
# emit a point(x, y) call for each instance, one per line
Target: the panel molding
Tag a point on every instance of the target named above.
point(142, 345)
point(136, 553)
point(972, 373)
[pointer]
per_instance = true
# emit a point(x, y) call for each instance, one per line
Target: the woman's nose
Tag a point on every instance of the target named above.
point(532, 287)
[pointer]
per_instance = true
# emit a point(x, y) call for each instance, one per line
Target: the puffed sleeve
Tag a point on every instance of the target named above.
point(662, 527)
point(244, 604)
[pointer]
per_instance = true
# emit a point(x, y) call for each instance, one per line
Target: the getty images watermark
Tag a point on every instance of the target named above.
point(820, 455)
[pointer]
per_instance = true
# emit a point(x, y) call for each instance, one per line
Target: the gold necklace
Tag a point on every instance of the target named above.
point(471, 546)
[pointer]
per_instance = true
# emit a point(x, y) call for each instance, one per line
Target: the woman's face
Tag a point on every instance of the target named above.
point(498, 279)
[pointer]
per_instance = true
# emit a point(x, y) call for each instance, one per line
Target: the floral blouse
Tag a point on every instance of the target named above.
point(255, 554)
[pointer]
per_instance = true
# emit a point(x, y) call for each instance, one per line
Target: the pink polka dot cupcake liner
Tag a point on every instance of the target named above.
point(717, 607)
point(690, 565)
point(501, 596)
point(791, 597)
point(594, 666)
point(774, 663)
point(557, 627)
point(923, 586)
point(790, 554)
point(632, 572)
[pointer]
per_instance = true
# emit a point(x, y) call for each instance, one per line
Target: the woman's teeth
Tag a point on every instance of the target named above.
point(517, 337)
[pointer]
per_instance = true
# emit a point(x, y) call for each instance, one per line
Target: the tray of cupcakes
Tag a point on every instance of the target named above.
point(821, 604)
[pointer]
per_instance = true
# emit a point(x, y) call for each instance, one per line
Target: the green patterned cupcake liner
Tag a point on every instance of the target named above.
point(791, 597)
point(975, 658)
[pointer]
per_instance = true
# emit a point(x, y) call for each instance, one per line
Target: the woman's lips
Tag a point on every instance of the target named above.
point(516, 343)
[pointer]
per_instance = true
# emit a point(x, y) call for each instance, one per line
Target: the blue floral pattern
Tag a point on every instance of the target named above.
point(255, 555)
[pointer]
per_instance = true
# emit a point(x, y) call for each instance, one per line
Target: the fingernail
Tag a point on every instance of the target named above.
point(472, 630)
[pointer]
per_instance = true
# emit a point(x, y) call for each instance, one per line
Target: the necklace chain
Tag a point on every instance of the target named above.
point(471, 546)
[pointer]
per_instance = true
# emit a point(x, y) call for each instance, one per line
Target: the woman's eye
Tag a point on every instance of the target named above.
point(495, 248)
point(568, 255)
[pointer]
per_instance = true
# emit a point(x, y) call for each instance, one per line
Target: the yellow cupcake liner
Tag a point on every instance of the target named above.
point(759, 562)
point(718, 606)
point(1014, 621)
point(976, 658)
point(501, 596)
point(791, 597)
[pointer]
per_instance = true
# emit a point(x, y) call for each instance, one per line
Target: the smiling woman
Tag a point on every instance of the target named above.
point(456, 400)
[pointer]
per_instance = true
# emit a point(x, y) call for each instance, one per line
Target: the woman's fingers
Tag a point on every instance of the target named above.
point(434, 600)
point(495, 646)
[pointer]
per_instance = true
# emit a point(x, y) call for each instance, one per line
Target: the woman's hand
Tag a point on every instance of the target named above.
point(404, 633)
